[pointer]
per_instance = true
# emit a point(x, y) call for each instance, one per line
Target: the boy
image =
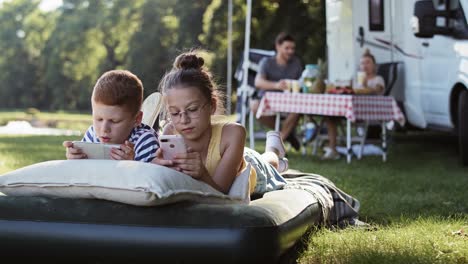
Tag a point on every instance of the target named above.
point(116, 102)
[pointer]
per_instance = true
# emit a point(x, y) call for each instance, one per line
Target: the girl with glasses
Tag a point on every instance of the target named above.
point(215, 146)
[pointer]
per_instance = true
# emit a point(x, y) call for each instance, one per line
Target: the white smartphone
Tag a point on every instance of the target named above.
point(95, 150)
point(172, 145)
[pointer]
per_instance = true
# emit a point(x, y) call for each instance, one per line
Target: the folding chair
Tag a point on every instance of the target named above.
point(389, 72)
point(255, 55)
point(151, 108)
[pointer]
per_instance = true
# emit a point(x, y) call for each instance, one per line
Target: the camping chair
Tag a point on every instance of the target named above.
point(389, 72)
point(255, 55)
point(151, 108)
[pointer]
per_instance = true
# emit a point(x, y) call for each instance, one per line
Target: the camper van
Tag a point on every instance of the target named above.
point(428, 39)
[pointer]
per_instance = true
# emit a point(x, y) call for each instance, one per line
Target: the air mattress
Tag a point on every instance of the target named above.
point(86, 230)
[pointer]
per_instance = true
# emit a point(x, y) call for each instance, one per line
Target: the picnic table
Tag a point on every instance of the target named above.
point(367, 108)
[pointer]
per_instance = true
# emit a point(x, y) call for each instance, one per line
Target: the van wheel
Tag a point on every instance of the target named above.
point(463, 127)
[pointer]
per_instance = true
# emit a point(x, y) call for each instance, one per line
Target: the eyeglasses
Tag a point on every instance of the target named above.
point(193, 112)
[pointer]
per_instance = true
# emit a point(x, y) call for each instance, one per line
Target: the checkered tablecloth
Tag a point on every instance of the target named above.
point(353, 107)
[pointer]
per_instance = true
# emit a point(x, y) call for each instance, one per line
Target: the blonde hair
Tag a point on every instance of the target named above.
point(368, 54)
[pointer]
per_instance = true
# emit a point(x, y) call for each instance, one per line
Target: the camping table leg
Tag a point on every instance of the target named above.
point(384, 141)
point(277, 122)
point(348, 140)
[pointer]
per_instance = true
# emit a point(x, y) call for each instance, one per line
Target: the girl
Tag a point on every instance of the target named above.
point(215, 153)
point(373, 83)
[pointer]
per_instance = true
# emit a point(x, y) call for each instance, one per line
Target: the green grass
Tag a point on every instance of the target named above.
point(17, 152)
point(416, 202)
point(60, 119)
point(420, 240)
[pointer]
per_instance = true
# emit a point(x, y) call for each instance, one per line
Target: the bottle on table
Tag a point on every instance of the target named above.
point(308, 77)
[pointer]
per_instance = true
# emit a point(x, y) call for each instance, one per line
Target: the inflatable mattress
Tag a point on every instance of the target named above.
point(97, 231)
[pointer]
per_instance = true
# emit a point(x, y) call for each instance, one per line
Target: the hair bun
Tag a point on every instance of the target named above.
point(187, 61)
point(367, 52)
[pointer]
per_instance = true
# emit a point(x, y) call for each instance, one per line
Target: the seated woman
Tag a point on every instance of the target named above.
point(373, 84)
point(215, 153)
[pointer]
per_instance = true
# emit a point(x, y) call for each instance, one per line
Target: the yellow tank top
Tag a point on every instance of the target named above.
point(214, 152)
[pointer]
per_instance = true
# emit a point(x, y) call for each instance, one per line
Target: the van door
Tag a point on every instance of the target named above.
point(439, 59)
point(373, 29)
point(340, 40)
point(439, 62)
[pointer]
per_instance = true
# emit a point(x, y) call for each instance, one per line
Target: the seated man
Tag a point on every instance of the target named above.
point(272, 75)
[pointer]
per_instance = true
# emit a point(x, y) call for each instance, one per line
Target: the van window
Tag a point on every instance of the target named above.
point(459, 25)
point(376, 15)
point(440, 5)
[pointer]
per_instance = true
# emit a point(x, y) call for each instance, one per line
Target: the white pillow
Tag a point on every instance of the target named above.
point(130, 182)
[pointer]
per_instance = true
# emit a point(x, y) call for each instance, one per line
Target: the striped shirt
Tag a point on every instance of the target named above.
point(145, 138)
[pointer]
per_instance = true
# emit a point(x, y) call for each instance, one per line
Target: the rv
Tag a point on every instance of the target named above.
point(429, 41)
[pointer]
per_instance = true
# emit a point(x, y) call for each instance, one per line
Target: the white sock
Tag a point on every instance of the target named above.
point(283, 165)
point(275, 144)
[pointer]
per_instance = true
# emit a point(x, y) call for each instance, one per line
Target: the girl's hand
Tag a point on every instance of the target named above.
point(72, 152)
point(126, 152)
point(159, 160)
point(191, 164)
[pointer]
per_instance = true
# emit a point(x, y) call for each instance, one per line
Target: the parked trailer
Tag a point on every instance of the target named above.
point(429, 38)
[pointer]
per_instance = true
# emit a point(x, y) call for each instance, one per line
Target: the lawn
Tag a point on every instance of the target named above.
point(416, 202)
point(63, 120)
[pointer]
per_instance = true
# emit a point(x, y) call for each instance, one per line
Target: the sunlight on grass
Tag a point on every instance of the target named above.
point(425, 240)
point(17, 152)
point(62, 120)
point(412, 199)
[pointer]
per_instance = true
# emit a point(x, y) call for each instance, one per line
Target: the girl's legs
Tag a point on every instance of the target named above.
point(272, 158)
point(268, 177)
point(275, 151)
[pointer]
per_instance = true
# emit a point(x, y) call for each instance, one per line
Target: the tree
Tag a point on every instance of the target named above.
point(268, 19)
point(153, 47)
point(72, 56)
point(20, 31)
point(51, 60)
point(118, 20)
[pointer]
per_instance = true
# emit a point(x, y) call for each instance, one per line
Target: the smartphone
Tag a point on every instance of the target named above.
point(172, 145)
point(95, 150)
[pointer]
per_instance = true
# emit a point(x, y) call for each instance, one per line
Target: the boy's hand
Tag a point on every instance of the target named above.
point(159, 160)
point(72, 152)
point(126, 152)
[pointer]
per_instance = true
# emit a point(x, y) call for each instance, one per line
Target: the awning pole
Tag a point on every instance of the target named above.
point(229, 60)
point(245, 64)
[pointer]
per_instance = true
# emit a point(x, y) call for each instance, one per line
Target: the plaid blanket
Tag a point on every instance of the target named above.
point(338, 208)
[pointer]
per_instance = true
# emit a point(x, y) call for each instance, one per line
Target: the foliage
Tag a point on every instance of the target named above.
point(50, 60)
point(268, 19)
point(18, 61)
